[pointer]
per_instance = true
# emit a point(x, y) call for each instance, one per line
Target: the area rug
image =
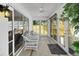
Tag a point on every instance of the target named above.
point(71, 51)
point(55, 49)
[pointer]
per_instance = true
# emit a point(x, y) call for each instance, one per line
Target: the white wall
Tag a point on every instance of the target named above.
point(3, 37)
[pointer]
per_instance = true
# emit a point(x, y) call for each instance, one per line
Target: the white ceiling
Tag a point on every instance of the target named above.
point(33, 9)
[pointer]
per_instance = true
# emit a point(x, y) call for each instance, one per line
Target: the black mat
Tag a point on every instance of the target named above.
point(71, 51)
point(55, 49)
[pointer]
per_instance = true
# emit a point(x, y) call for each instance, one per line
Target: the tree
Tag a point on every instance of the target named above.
point(71, 10)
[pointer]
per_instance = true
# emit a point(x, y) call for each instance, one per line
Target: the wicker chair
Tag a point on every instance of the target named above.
point(31, 42)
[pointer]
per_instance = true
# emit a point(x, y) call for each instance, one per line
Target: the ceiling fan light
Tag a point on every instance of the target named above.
point(41, 10)
point(7, 14)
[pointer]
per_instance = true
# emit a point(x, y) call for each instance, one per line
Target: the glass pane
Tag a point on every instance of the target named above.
point(61, 32)
point(10, 26)
point(40, 27)
point(44, 27)
point(10, 48)
point(11, 54)
point(18, 29)
point(10, 35)
point(36, 26)
point(25, 26)
point(53, 27)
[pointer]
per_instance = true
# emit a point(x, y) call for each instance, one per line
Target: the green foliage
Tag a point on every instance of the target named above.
point(36, 22)
point(76, 45)
point(71, 10)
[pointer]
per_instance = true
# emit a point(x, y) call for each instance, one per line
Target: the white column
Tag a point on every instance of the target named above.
point(49, 28)
point(58, 37)
point(13, 29)
point(30, 24)
point(66, 34)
